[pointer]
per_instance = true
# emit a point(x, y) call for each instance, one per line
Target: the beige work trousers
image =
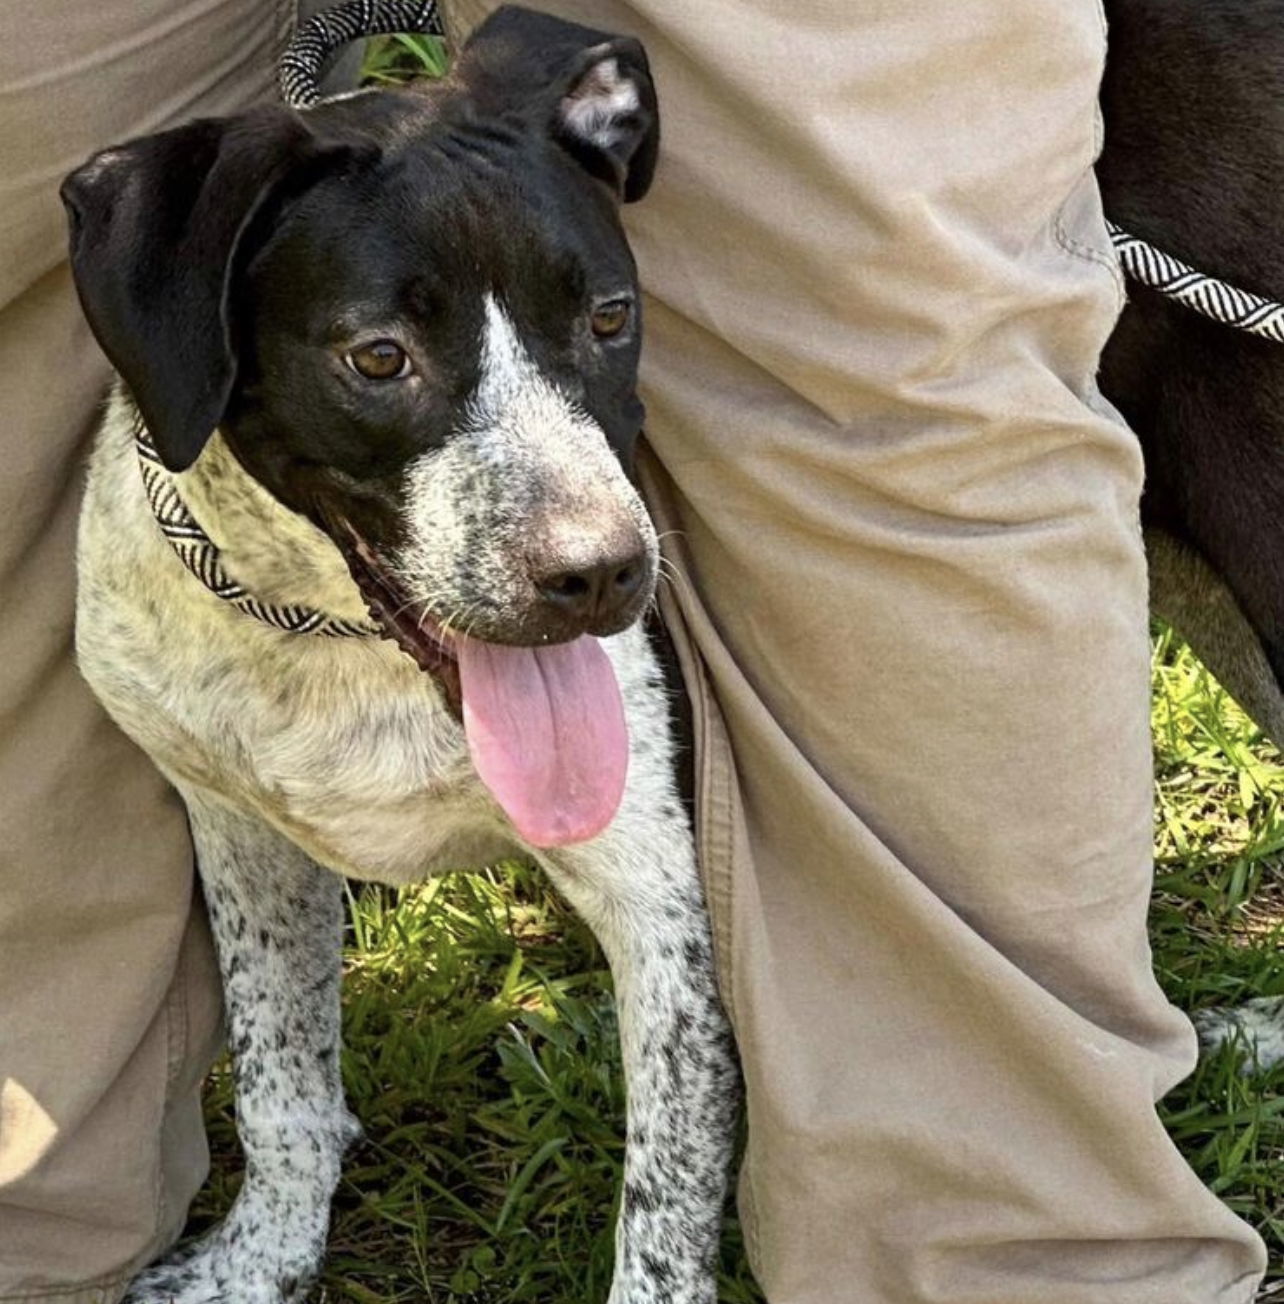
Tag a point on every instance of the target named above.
point(913, 622)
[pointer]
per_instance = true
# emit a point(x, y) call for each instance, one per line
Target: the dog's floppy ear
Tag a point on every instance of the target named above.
point(592, 91)
point(157, 228)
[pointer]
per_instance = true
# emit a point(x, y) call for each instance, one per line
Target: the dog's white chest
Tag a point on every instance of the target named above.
point(339, 745)
point(370, 775)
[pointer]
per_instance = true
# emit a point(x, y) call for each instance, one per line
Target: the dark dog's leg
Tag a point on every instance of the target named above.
point(277, 922)
point(637, 887)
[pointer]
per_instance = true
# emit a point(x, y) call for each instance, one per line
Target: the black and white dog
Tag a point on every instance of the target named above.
point(385, 355)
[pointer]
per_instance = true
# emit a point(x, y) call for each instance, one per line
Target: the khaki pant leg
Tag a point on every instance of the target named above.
point(108, 995)
point(879, 285)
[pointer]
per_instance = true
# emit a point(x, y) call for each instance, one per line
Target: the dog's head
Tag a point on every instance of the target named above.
point(415, 319)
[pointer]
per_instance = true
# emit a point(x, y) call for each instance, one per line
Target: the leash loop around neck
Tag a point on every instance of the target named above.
point(202, 557)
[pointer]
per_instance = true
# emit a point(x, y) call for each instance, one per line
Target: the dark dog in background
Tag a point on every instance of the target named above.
point(1193, 162)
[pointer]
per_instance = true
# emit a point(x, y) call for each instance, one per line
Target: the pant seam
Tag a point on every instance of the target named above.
point(176, 1047)
point(1081, 249)
point(750, 1225)
point(711, 807)
point(1072, 245)
point(714, 841)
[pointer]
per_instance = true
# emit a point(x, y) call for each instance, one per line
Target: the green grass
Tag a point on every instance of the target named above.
point(1215, 924)
point(481, 1055)
point(392, 59)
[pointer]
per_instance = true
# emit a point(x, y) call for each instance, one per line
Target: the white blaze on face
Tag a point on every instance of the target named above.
point(515, 400)
point(526, 481)
point(508, 373)
point(528, 477)
point(551, 450)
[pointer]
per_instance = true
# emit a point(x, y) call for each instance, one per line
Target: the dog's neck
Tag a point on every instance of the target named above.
point(280, 557)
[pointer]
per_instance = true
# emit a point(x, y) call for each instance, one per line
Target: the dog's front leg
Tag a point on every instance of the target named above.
point(638, 889)
point(277, 920)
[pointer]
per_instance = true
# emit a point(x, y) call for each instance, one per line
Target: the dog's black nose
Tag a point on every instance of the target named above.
point(595, 595)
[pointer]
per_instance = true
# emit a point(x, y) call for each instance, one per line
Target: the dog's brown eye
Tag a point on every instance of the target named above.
point(379, 360)
point(610, 318)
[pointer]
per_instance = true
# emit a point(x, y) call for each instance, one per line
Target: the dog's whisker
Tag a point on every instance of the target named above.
point(672, 576)
point(403, 608)
point(450, 622)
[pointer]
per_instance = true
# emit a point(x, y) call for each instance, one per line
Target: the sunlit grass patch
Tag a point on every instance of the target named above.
point(1216, 922)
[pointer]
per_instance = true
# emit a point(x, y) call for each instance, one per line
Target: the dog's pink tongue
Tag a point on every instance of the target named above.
point(545, 727)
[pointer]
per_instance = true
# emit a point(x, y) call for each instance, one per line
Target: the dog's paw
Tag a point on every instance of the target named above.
point(245, 1260)
point(1256, 1027)
point(210, 1274)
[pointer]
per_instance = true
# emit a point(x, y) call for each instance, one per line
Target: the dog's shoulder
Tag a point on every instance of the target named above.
point(269, 719)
